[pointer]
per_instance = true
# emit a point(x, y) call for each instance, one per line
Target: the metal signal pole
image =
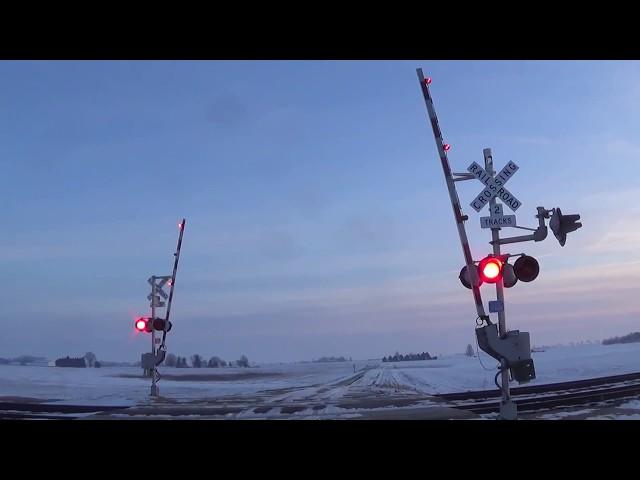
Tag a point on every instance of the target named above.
point(511, 348)
point(154, 387)
point(508, 409)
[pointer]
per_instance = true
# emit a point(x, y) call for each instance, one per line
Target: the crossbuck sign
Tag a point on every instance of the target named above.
point(159, 283)
point(494, 186)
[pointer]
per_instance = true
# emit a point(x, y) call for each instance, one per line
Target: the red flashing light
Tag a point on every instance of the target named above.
point(490, 269)
point(141, 324)
point(446, 147)
point(427, 80)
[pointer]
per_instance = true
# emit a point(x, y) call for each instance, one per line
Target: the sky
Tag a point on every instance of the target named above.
point(318, 220)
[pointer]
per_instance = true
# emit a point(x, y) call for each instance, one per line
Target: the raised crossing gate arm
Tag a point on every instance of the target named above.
point(173, 281)
point(453, 194)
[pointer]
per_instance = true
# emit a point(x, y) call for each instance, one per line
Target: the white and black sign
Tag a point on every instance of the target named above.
point(158, 282)
point(498, 221)
point(497, 218)
point(494, 186)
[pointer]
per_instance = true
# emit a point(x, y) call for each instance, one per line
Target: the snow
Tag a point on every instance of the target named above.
point(113, 385)
point(564, 415)
point(458, 373)
point(632, 404)
point(320, 390)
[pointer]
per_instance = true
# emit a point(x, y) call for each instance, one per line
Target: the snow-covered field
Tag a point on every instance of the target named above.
point(115, 385)
point(324, 388)
point(458, 373)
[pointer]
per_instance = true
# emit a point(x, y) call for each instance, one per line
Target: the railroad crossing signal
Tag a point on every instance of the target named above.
point(493, 268)
point(147, 324)
point(510, 348)
point(152, 324)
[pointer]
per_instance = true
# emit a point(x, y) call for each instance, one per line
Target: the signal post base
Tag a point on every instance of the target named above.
point(508, 410)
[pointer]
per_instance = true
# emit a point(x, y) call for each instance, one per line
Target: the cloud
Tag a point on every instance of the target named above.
point(609, 224)
point(616, 242)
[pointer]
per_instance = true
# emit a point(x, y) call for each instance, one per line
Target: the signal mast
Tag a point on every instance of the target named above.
point(511, 348)
point(153, 324)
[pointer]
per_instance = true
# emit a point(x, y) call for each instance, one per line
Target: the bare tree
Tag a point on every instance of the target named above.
point(26, 359)
point(469, 351)
point(243, 362)
point(171, 360)
point(215, 362)
point(196, 361)
point(179, 362)
point(90, 359)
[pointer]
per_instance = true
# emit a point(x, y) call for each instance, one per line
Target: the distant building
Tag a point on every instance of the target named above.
point(71, 362)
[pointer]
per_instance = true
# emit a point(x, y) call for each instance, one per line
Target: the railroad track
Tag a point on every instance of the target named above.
point(51, 411)
point(554, 395)
point(528, 399)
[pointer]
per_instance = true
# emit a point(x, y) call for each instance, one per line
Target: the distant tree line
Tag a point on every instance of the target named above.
point(198, 361)
point(332, 359)
point(630, 338)
point(398, 357)
point(22, 360)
